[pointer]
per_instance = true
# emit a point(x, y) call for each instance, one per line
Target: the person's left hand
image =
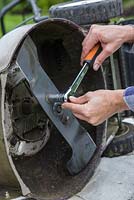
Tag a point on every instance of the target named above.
point(95, 107)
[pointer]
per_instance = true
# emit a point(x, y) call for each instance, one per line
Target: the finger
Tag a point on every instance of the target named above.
point(79, 116)
point(79, 100)
point(100, 59)
point(87, 48)
point(75, 108)
point(90, 33)
point(106, 52)
point(91, 42)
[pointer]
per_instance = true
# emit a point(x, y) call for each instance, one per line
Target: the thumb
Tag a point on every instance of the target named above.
point(79, 100)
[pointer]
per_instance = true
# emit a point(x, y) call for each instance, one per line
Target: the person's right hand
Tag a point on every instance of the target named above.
point(95, 107)
point(111, 38)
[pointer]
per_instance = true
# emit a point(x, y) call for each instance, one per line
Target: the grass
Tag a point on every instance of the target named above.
point(11, 21)
point(128, 4)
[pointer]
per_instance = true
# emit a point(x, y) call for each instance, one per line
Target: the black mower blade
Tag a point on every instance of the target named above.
point(41, 86)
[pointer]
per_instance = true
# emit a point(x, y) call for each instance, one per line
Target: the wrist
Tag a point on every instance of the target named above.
point(118, 101)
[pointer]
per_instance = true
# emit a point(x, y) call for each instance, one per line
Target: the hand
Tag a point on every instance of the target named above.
point(111, 38)
point(96, 107)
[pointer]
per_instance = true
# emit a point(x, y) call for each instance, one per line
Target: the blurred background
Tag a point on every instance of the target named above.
point(15, 16)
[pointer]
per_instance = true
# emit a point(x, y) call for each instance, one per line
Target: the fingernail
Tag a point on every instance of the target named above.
point(96, 67)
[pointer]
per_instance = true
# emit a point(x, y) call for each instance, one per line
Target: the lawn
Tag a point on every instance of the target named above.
point(129, 3)
point(12, 20)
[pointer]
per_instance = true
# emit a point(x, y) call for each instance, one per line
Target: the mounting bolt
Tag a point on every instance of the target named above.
point(57, 108)
point(65, 119)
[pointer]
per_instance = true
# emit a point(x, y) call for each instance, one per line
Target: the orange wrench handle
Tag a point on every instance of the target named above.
point(91, 56)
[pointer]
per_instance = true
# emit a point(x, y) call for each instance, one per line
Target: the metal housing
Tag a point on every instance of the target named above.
point(42, 174)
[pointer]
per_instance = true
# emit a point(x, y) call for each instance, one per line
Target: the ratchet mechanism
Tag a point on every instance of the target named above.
point(88, 62)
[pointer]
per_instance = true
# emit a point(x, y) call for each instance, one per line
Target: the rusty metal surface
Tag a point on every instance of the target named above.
point(7, 130)
point(28, 115)
point(7, 176)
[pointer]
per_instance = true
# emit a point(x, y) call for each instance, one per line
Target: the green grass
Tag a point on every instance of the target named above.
point(11, 21)
point(128, 3)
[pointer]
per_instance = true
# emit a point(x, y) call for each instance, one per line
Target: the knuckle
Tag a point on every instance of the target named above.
point(94, 31)
point(93, 26)
point(108, 51)
point(98, 61)
point(85, 49)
